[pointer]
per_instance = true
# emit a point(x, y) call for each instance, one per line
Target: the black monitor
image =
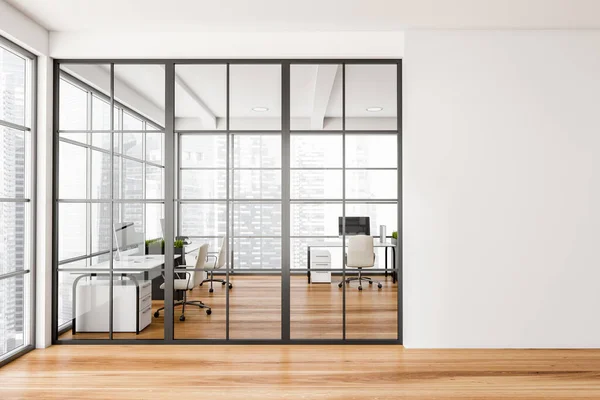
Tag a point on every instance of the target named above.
point(356, 225)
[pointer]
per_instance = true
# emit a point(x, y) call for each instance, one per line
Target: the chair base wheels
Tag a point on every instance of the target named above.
point(379, 285)
point(156, 314)
point(208, 312)
point(211, 290)
point(360, 288)
point(230, 286)
point(182, 318)
point(340, 284)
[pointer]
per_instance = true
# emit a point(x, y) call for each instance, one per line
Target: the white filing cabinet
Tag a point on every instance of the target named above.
point(320, 259)
point(92, 304)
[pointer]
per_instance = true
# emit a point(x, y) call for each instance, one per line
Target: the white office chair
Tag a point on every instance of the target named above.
point(187, 280)
point(218, 261)
point(360, 255)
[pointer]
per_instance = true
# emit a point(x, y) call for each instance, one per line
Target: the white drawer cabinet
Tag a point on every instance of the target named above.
point(320, 259)
point(132, 309)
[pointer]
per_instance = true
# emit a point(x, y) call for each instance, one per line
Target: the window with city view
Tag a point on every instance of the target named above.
point(15, 199)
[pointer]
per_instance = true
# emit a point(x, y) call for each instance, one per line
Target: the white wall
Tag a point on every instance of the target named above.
point(106, 44)
point(20, 29)
point(502, 189)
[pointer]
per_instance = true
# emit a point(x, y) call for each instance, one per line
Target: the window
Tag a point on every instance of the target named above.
point(17, 70)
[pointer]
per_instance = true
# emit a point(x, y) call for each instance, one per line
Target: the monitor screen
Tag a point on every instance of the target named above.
point(356, 225)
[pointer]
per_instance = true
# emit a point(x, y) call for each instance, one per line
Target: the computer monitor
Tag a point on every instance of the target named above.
point(127, 239)
point(355, 225)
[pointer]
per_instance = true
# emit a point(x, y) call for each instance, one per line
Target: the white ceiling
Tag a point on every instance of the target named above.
point(308, 15)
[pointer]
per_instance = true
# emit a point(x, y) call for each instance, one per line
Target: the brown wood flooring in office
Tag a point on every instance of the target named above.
point(299, 372)
point(255, 312)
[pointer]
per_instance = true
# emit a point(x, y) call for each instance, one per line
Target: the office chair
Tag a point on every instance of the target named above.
point(187, 280)
point(360, 255)
point(218, 261)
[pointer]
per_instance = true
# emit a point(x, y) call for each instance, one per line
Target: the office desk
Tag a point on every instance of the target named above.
point(376, 244)
point(138, 268)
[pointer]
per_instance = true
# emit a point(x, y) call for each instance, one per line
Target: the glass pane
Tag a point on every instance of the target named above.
point(203, 184)
point(371, 97)
point(131, 123)
point(83, 301)
point(200, 97)
point(154, 182)
point(203, 151)
point(132, 184)
point(72, 228)
point(316, 151)
point(299, 251)
point(14, 312)
point(371, 151)
point(257, 151)
point(100, 114)
point(257, 184)
point(100, 175)
point(13, 70)
point(371, 184)
point(14, 158)
point(315, 308)
point(154, 146)
point(379, 214)
point(77, 81)
point(140, 90)
point(256, 253)
point(255, 97)
point(14, 237)
point(72, 167)
point(205, 315)
point(316, 97)
point(255, 219)
point(154, 214)
point(316, 184)
point(134, 225)
point(203, 219)
point(132, 144)
point(101, 225)
point(73, 107)
point(314, 219)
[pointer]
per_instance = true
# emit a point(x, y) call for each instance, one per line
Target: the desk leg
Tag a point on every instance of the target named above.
point(308, 264)
point(385, 257)
point(74, 303)
point(395, 273)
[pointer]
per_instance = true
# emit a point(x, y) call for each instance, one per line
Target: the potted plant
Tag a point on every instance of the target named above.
point(395, 238)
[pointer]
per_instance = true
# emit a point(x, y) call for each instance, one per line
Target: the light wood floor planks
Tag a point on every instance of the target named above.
point(255, 312)
point(299, 372)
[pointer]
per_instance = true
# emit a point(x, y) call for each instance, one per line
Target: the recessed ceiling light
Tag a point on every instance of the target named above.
point(374, 109)
point(260, 109)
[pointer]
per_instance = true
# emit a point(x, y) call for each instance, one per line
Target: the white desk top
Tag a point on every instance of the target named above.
point(376, 243)
point(130, 264)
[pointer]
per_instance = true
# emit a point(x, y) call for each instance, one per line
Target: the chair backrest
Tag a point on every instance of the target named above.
point(222, 253)
point(360, 252)
point(200, 261)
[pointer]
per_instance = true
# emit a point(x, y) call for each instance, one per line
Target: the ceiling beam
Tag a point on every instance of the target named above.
point(324, 81)
point(206, 114)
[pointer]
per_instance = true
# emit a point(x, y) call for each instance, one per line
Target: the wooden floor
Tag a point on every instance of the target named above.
point(255, 312)
point(299, 372)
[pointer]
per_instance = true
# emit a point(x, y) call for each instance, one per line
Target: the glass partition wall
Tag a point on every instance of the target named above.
point(225, 201)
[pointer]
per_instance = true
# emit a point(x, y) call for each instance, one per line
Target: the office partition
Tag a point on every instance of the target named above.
point(256, 159)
